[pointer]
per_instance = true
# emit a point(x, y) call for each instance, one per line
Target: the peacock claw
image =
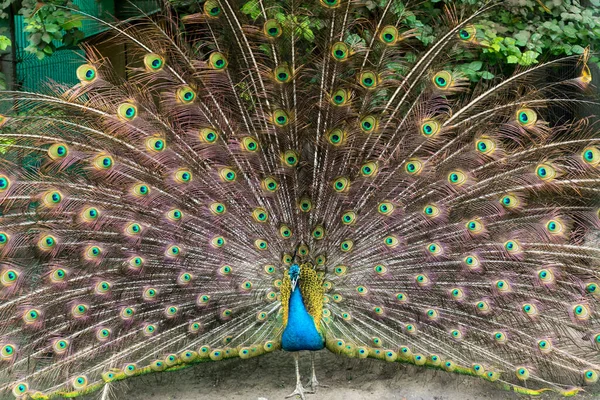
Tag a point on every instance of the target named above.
point(298, 392)
point(314, 384)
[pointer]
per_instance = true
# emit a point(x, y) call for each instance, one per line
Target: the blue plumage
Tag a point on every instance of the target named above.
point(300, 332)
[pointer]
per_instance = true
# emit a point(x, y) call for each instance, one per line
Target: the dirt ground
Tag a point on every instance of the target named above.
point(272, 377)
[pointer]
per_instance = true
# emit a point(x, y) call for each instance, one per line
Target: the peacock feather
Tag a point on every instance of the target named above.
point(243, 191)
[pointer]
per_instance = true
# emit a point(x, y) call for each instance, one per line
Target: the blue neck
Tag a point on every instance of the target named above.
point(300, 332)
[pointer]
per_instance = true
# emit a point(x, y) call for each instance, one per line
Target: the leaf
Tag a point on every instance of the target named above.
point(512, 60)
point(528, 58)
point(475, 65)
point(4, 43)
point(251, 8)
point(73, 22)
point(577, 49)
point(487, 75)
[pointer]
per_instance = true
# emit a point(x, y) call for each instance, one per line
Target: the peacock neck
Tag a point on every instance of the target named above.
point(300, 333)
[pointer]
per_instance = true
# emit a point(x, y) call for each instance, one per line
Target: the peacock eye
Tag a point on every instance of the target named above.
point(47, 242)
point(336, 137)
point(227, 174)
point(391, 241)
point(526, 117)
point(485, 146)
point(260, 214)
point(522, 373)
point(347, 245)
point(318, 232)
point(249, 144)
point(413, 167)
point(272, 29)
point(389, 35)
point(474, 226)
point(340, 51)
point(509, 201)
point(153, 62)
point(545, 172)
point(269, 184)
point(341, 184)
point(102, 288)
point(261, 244)
point(290, 158)
point(368, 79)
point(280, 118)
point(140, 190)
point(52, 198)
point(380, 269)
point(9, 277)
point(4, 183)
point(590, 376)
point(430, 128)
point(591, 156)
point(58, 151)
point(349, 218)
point(442, 80)
point(212, 9)
point(127, 111)
point(86, 73)
point(386, 208)
point(285, 231)
point(185, 95)
point(467, 33)
point(156, 144)
point(208, 135)
point(282, 73)
point(330, 3)
point(369, 169)
point(340, 97)
point(217, 61)
point(369, 124)
point(457, 177)
point(431, 211)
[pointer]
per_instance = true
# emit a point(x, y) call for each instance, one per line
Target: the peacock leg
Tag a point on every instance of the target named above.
point(299, 389)
point(313, 382)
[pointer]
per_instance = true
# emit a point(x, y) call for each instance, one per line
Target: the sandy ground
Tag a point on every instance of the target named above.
point(272, 377)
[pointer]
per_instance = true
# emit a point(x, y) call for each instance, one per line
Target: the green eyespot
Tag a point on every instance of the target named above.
point(431, 211)
point(526, 117)
point(305, 204)
point(330, 3)
point(102, 288)
point(456, 334)
point(153, 62)
point(269, 184)
point(340, 51)
point(150, 294)
point(261, 244)
point(171, 311)
point(183, 176)
point(502, 286)
point(529, 309)
point(389, 35)
point(546, 276)
point(385, 208)
point(52, 198)
point(591, 156)
point(442, 80)
point(87, 73)
point(127, 111)
point(194, 327)
point(347, 245)
point(185, 95)
point(341, 184)
point(227, 174)
point(413, 167)
point(485, 145)
point(60, 346)
point(58, 275)
point(250, 144)
point(369, 169)
point(430, 128)
point(127, 313)
point(58, 151)
point(79, 382)
point(7, 352)
point(581, 312)
point(457, 294)
point(79, 310)
point(512, 247)
point(31, 316)
point(135, 263)
point(156, 144)
point(369, 124)
point(349, 218)
point(103, 334)
point(422, 280)
point(590, 376)
point(282, 73)
point(340, 97)
point(47, 243)
point(280, 118)
point(391, 241)
point(202, 299)
point(435, 249)
point(173, 251)
point(217, 208)
point(212, 9)
point(9, 277)
point(103, 162)
point(246, 285)
point(522, 373)
point(336, 137)
point(272, 29)
point(321, 259)
point(174, 215)
point(92, 252)
point(149, 330)
point(483, 307)
point(318, 233)
point(474, 226)
point(290, 158)
point(467, 33)
point(457, 178)
point(380, 269)
point(285, 232)
point(208, 135)
point(259, 214)
point(140, 190)
point(362, 290)
point(500, 337)
point(545, 172)
point(19, 389)
point(217, 61)
point(544, 345)
point(184, 278)
point(4, 183)
point(368, 80)
point(509, 201)
point(555, 227)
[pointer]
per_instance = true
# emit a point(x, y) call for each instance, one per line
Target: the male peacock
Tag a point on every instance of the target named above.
point(243, 192)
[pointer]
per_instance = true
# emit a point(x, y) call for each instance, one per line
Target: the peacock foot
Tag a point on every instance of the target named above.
point(298, 392)
point(314, 384)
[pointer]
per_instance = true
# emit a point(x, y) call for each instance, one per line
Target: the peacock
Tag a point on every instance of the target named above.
point(241, 191)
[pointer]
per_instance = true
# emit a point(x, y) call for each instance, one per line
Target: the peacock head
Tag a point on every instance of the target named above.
point(294, 273)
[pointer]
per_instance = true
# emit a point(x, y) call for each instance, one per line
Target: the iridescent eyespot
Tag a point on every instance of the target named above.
point(362, 290)
point(261, 316)
point(321, 259)
point(86, 73)
point(411, 329)
point(7, 352)
point(442, 80)
point(226, 314)
point(341, 184)
point(149, 294)
point(369, 169)
point(389, 35)
point(422, 280)
point(19, 389)
point(272, 29)
point(52, 198)
point(555, 227)
point(60, 346)
point(79, 310)
point(500, 337)
point(545, 172)
point(103, 334)
point(431, 211)
point(456, 334)
point(194, 327)
point(227, 174)
point(290, 158)
point(544, 345)
point(330, 3)
point(249, 144)
point(9, 277)
point(303, 250)
point(285, 231)
point(259, 214)
point(246, 285)
point(483, 306)
point(590, 376)
point(135, 263)
point(225, 270)
point(581, 312)
point(58, 275)
point(149, 330)
point(4, 238)
point(184, 278)
point(413, 167)
point(127, 313)
point(282, 73)
point(592, 288)
point(171, 311)
point(174, 215)
point(349, 218)
point(449, 365)
point(4, 183)
point(432, 314)
point(346, 316)
point(526, 117)
point(478, 369)
point(368, 79)
point(467, 33)
point(340, 51)
point(512, 247)
point(430, 128)
point(79, 382)
point(435, 360)
point(261, 244)
point(185, 95)
point(153, 62)
point(502, 286)
point(380, 269)
point(58, 151)
point(435, 249)
point(457, 294)
point(457, 177)
point(202, 299)
point(217, 61)
point(522, 373)
point(369, 124)
point(591, 156)
point(217, 208)
point(102, 287)
point(269, 184)
point(385, 208)
point(340, 97)
point(485, 145)
point(318, 233)
point(474, 226)
point(133, 229)
point(509, 201)
point(529, 309)
point(129, 369)
point(208, 135)
point(280, 118)
point(391, 241)
point(212, 9)
point(127, 111)
point(347, 245)
point(140, 190)
point(336, 137)
point(47, 243)
point(173, 251)
point(340, 270)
